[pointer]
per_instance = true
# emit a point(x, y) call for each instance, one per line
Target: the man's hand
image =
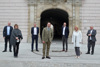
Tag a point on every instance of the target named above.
point(89, 34)
point(4, 37)
point(17, 38)
point(43, 42)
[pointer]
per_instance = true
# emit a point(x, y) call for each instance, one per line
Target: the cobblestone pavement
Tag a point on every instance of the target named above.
point(27, 58)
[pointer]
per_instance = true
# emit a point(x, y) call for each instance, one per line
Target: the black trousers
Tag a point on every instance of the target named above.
point(77, 51)
point(64, 40)
point(16, 48)
point(91, 44)
point(34, 38)
point(7, 38)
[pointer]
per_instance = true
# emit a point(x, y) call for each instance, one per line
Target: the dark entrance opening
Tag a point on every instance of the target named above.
point(57, 17)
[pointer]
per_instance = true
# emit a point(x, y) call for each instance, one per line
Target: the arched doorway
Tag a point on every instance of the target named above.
point(56, 17)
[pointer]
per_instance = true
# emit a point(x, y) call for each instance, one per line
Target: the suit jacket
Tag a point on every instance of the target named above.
point(47, 35)
point(32, 31)
point(92, 35)
point(5, 31)
point(66, 32)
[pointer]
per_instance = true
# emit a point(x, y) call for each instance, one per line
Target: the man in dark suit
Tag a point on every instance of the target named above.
point(91, 40)
point(34, 32)
point(6, 35)
point(65, 34)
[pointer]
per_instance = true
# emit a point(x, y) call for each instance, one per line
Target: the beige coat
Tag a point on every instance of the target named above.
point(47, 35)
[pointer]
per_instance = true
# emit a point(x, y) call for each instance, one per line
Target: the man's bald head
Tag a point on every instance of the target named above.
point(91, 27)
point(48, 24)
point(64, 24)
point(9, 23)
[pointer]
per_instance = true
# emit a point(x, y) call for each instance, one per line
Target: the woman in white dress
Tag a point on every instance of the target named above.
point(76, 40)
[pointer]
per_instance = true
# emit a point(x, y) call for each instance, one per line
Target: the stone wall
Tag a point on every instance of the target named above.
point(90, 14)
point(15, 11)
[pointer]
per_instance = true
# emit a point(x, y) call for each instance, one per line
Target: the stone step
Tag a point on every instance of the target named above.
point(45, 63)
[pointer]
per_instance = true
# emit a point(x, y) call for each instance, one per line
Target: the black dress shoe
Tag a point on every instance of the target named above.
point(31, 50)
point(63, 50)
point(48, 57)
point(37, 50)
point(92, 53)
point(43, 57)
point(4, 51)
point(10, 50)
point(15, 56)
point(87, 53)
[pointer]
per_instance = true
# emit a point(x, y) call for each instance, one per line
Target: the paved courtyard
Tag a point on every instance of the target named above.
point(58, 59)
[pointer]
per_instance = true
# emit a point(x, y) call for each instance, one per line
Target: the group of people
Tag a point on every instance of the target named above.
point(14, 36)
point(77, 39)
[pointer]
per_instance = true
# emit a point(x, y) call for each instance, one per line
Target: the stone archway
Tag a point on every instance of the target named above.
point(56, 17)
point(35, 11)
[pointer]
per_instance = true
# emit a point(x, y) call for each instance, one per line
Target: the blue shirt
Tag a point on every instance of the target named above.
point(48, 28)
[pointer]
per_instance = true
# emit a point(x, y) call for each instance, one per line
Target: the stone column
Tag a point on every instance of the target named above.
point(31, 21)
point(70, 26)
point(38, 25)
point(70, 29)
point(77, 5)
point(77, 15)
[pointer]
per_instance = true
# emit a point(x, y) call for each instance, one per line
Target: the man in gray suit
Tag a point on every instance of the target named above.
point(47, 36)
point(91, 40)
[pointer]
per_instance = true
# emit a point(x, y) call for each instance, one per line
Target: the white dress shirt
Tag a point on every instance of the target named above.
point(8, 30)
point(91, 33)
point(64, 30)
point(35, 31)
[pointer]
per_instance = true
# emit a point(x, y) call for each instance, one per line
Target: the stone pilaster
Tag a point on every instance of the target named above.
point(76, 13)
point(77, 16)
point(70, 26)
point(31, 21)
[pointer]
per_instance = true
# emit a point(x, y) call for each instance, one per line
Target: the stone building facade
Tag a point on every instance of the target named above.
point(25, 13)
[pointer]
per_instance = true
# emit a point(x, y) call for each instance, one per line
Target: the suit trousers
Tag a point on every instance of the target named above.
point(7, 38)
point(64, 40)
point(77, 51)
point(46, 48)
point(16, 48)
point(91, 44)
point(34, 38)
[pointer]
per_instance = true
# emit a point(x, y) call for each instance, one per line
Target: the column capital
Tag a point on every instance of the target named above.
point(77, 3)
point(32, 4)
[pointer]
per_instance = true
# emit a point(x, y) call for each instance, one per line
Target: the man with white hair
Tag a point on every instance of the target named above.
point(91, 40)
